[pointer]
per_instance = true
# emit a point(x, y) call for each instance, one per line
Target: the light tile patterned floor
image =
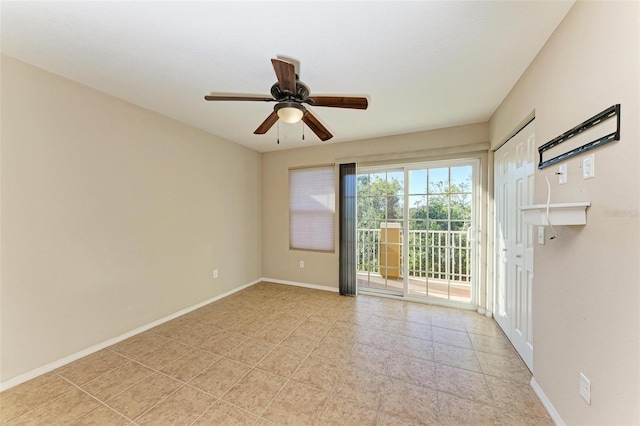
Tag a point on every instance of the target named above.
point(275, 354)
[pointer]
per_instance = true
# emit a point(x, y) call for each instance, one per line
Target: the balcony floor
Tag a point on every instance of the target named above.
point(440, 289)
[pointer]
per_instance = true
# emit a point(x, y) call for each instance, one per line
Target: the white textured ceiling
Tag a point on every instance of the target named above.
point(423, 65)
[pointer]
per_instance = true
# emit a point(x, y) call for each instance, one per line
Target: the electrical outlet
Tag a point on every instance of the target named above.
point(562, 177)
point(588, 167)
point(585, 388)
point(215, 273)
point(301, 264)
point(540, 234)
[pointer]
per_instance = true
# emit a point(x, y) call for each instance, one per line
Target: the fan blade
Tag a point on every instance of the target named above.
point(340, 102)
point(266, 124)
point(286, 73)
point(237, 98)
point(315, 126)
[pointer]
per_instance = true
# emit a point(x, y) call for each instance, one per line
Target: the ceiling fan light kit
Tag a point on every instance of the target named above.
point(290, 93)
point(289, 112)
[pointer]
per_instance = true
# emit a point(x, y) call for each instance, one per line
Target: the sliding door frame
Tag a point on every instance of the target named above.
point(475, 231)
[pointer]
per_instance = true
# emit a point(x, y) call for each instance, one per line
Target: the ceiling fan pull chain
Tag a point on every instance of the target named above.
point(302, 130)
point(278, 132)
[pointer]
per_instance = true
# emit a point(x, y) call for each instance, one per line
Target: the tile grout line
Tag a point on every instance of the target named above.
point(43, 404)
point(243, 376)
point(153, 371)
point(324, 406)
point(101, 402)
point(288, 379)
point(187, 383)
point(57, 374)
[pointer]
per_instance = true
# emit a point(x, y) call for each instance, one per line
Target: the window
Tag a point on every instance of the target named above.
point(312, 208)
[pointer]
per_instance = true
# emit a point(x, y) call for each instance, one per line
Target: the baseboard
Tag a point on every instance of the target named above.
point(298, 284)
point(95, 348)
point(547, 403)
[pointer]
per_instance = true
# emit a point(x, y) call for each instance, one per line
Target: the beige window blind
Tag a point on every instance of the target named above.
point(312, 208)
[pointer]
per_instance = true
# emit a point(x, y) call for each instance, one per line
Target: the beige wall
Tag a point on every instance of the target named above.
point(278, 261)
point(112, 217)
point(587, 282)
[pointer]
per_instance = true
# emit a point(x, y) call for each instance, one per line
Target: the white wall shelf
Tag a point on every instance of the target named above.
point(559, 214)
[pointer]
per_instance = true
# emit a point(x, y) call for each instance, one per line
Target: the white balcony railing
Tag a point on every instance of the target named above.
point(441, 255)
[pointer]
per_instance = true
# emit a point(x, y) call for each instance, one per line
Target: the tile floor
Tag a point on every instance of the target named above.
point(274, 354)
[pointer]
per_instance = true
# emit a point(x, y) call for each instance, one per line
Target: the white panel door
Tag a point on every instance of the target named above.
point(514, 170)
point(502, 198)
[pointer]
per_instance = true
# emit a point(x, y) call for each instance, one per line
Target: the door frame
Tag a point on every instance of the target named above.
point(514, 254)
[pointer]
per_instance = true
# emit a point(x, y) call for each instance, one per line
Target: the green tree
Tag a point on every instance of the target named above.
point(446, 202)
point(379, 200)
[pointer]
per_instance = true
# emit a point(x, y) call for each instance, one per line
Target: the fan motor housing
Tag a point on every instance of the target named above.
point(302, 92)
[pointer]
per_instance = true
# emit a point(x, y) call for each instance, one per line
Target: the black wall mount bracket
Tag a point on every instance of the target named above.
point(612, 111)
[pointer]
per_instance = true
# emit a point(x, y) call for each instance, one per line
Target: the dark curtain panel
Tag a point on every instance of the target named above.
point(348, 279)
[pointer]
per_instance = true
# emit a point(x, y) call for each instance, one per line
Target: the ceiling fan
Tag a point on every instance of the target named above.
point(290, 94)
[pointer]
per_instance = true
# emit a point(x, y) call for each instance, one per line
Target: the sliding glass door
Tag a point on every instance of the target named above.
point(440, 228)
point(415, 230)
point(380, 197)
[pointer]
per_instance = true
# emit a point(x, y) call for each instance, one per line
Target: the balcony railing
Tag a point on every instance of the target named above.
point(440, 255)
